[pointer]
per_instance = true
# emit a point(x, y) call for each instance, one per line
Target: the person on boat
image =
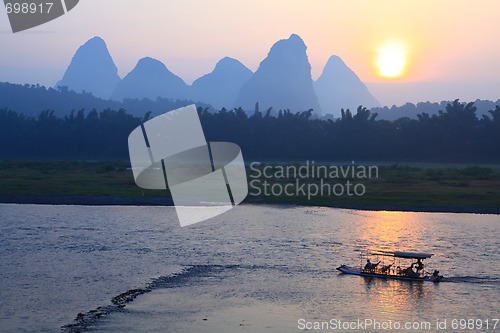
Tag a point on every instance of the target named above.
point(419, 265)
point(436, 277)
point(369, 266)
point(386, 268)
point(409, 272)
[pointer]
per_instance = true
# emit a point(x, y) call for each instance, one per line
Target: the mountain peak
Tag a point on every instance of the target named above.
point(227, 62)
point(221, 87)
point(336, 67)
point(338, 87)
point(151, 79)
point(335, 60)
point(283, 80)
point(92, 70)
point(151, 65)
point(293, 43)
point(97, 41)
point(296, 39)
point(149, 60)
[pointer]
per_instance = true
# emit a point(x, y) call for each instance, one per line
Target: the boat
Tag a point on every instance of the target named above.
point(397, 265)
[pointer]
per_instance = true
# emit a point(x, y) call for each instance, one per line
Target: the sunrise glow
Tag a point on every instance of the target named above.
point(391, 60)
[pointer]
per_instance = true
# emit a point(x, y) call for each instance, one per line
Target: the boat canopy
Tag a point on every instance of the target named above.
point(400, 254)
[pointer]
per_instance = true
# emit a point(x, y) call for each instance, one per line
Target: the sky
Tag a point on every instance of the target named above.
point(447, 49)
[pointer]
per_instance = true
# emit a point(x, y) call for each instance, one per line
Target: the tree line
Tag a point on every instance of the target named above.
point(29, 99)
point(453, 134)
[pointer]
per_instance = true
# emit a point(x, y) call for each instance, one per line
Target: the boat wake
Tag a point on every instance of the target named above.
point(84, 320)
point(186, 276)
point(472, 279)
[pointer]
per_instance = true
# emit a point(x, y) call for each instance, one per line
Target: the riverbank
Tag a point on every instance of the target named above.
point(460, 189)
point(96, 200)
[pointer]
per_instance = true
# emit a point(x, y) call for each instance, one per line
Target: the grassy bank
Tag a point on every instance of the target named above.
point(401, 187)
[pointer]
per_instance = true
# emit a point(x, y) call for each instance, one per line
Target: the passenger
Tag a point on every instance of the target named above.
point(436, 277)
point(386, 268)
point(369, 266)
point(419, 265)
point(409, 272)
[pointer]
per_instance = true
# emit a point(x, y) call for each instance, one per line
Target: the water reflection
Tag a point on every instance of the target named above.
point(393, 297)
point(392, 231)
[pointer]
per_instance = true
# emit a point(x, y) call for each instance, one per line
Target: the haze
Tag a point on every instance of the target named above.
point(451, 48)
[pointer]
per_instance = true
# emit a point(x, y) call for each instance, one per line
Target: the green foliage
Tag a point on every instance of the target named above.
point(96, 135)
point(455, 134)
point(399, 186)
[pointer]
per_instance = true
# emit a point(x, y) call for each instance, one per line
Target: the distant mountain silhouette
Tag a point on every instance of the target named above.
point(30, 100)
point(411, 111)
point(283, 80)
point(339, 87)
point(220, 88)
point(92, 70)
point(150, 79)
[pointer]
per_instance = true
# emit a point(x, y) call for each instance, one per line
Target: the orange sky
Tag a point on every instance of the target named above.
point(446, 41)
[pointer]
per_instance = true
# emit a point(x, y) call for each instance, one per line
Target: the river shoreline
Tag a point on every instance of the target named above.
point(458, 189)
point(101, 200)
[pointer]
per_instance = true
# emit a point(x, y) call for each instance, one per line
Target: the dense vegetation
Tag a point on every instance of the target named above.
point(411, 110)
point(429, 188)
point(31, 99)
point(453, 134)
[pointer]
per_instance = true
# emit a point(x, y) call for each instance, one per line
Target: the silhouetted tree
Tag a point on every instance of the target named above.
point(452, 134)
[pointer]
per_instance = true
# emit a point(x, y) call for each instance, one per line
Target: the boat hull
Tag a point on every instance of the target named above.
point(356, 271)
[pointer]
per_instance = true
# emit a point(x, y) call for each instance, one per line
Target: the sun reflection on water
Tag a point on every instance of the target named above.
point(392, 231)
point(393, 296)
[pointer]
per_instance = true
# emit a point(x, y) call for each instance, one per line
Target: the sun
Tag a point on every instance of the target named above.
point(391, 60)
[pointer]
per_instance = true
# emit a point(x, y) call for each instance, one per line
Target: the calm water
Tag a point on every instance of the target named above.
point(252, 265)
